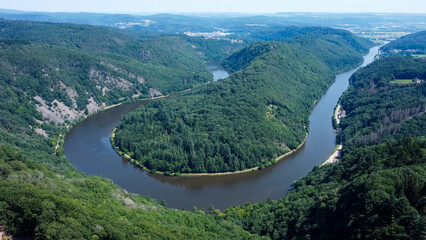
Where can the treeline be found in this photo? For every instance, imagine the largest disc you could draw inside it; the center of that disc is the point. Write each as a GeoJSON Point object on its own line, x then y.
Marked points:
{"type": "Point", "coordinates": [245, 121]}
{"type": "Point", "coordinates": [157, 49]}
{"type": "Point", "coordinates": [305, 38]}
{"type": "Point", "coordinates": [287, 32]}
{"type": "Point", "coordinates": [406, 45]}
{"type": "Point", "coordinates": [377, 190]}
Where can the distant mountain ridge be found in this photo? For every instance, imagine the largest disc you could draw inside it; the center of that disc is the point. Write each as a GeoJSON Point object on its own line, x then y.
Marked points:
{"type": "Point", "coordinates": [241, 25]}
{"type": "Point", "coordinates": [407, 45]}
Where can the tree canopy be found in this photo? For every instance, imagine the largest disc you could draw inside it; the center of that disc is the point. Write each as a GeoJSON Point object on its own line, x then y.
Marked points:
{"type": "Point", "coordinates": [245, 121]}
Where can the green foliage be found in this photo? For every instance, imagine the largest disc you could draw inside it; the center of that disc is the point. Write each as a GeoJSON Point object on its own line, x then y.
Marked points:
{"type": "Point", "coordinates": [41, 195]}
{"type": "Point", "coordinates": [52, 72]}
{"type": "Point", "coordinates": [337, 48]}
{"type": "Point", "coordinates": [213, 50]}
{"type": "Point", "coordinates": [246, 56]}
{"type": "Point", "coordinates": [42, 204]}
{"type": "Point", "coordinates": [79, 64]}
{"type": "Point", "coordinates": [414, 43]}
{"type": "Point", "coordinates": [378, 110]}
{"type": "Point", "coordinates": [292, 32]}
{"type": "Point", "coordinates": [256, 115]}
{"type": "Point", "coordinates": [374, 191]}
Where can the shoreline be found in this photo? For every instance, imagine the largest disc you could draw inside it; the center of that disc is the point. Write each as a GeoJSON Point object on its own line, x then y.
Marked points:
{"type": "Point", "coordinates": [336, 154]}
{"type": "Point", "coordinates": [134, 162]}
{"type": "Point", "coordinates": [334, 157]}
{"type": "Point", "coordinates": [250, 169]}
{"type": "Point", "coordinates": [331, 159]}
{"type": "Point", "coordinates": [67, 128]}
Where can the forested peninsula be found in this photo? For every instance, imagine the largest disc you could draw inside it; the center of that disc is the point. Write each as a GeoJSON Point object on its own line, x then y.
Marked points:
{"type": "Point", "coordinates": [248, 120]}
{"type": "Point", "coordinates": [375, 191]}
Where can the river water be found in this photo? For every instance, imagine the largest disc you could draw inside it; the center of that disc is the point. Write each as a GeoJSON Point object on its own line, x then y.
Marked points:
{"type": "Point", "coordinates": [217, 70]}
{"type": "Point", "coordinates": [88, 148]}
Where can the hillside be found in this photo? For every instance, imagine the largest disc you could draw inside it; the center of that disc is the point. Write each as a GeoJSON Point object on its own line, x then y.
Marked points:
{"type": "Point", "coordinates": [377, 190]}
{"type": "Point", "coordinates": [150, 48]}
{"type": "Point", "coordinates": [386, 100]}
{"type": "Point", "coordinates": [42, 196]}
{"type": "Point", "coordinates": [70, 70]}
{"type": "Point", "coordinates": [242, 122]}
{"type": "Point", "coordinates": [337, 48]}
{"type": "Point", "coordinates": [414, 43]}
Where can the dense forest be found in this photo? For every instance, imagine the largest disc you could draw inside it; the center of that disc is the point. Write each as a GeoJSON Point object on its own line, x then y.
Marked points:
{"type": "Point", "coordinates": [247, 120]}
{"type": "Point", "coordinates": [158, 49]}
{"type": "Point", "coordinates": [107, 78]}
{"type": "Point", "coordinates": [377, 190]}
{"type": "Point", "coordinates": [41, 195]}
{"type": "Point", "coordinates": [407, 45]}
{"type": "Point", "coordinates": [70, 70]}
{"type": "Point", "coordinates": [386, 100]}
{"type": "Point", "coordinates": [374, 192]}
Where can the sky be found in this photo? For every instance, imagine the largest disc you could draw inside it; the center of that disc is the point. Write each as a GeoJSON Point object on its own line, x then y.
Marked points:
{"type": "Point", "coordinates": [235, 6]}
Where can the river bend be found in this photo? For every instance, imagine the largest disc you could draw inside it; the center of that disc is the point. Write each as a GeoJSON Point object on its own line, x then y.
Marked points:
{"type": "Point", "coordinates": [87, 146]}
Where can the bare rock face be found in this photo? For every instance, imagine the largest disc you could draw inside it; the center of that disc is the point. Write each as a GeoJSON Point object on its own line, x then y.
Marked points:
{"type": "Point", "coordinates": [41, 132]}
{"type": "Point", "coordinates": [154, 93]}
{"type": "Point", "coordinates": [101, 77]}
{"type": "Point", "coordinates": [71, 93]}
{"type": "Point", "coordinates": [105, 81]}
{"type": "Point", "coordinates": [58, 112]}
{"type": "Point", "coordinates": [92, 106]}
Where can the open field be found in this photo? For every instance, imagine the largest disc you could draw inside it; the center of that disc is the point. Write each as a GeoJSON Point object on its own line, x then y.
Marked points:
{"type": "Point", "coordinates": [401, 81]}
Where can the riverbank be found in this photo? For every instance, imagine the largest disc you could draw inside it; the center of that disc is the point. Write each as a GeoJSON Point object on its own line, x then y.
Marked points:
{"type": "Point", "coordinates": [136, 163]}
{"type": "Point", "coordinates": [337, 153]}
{"type": "Point", "coordinates": [88, 148]}
{"type": "Point", "coordinates": [334, 157]}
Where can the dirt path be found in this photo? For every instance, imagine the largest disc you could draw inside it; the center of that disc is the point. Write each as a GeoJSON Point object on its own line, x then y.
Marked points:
{"type": "Point", "coordinates": [56, 147]}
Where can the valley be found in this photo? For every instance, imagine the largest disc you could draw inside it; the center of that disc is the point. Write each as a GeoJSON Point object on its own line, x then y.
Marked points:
{"type": "Point", "coordinates": [95, 156]}
{"type": "Point", "coordinates": [65, 86]}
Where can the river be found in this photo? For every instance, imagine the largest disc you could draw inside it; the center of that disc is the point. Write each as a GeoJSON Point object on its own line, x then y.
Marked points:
{"type": "Point", "coordinates": [87, 146]}
{"type": "Point", "coordinates": [217, 70]}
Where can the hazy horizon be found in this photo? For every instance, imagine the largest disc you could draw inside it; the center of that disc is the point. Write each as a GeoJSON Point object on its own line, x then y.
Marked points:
{"type": "Point", "coordinates": [217, 7]}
